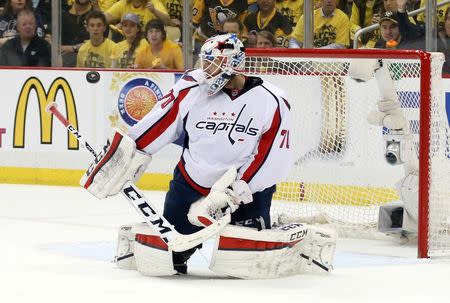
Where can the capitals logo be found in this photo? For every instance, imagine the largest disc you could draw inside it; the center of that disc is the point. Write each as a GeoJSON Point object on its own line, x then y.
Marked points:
{"type": "Point", "coordinates": [137, 98]}
{"type": "Point", "coordinates": [227, 125]}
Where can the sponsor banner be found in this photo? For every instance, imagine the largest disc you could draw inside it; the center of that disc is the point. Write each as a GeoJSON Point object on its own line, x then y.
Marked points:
{"type": "Point", "coordinates": [31, 138]}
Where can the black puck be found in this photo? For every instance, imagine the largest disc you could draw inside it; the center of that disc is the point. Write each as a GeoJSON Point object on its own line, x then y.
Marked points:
{"type": "Point", "coordinates": [92, 77]}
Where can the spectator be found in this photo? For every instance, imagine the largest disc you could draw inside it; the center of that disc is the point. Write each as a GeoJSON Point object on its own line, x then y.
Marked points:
{"type": "Point", "coordinates": [160, 53]}
{"type": "Point", "coordinates": [440, 14]}
{"type": "Point", "coordinates": [293, 9]}
{"type": "Point", "coordinates": [444, 42]}
{"type": "Point", "coordinates": [208, 17]}
{"type": "Point", "coordinates": [233, 26]}
{"type": "Point", "coordinates": [147, 10]}
{"type": "Point", "coordinates": [98, 50]}
{"type": "Point", "coordinates": [26, 49]}
{"type": "Point", "coordinates": [398, 33]}
{"type": "Point", "coordinates": [73, 31]}
{"type": "Point", "coordinates": [265, 39]}
{"type": "Point", "coordinates": [125, 52]}
{"type": "Point", "coordinates": [8, 19]}
{"type": "Point", "coordinates": [369, 39]}
{"type": "Point", "coordinates": [269, 19]}
{"type": "Point", "coordinates": [331, 28]}
{"type": "Point", "coordinates": [390, 32]}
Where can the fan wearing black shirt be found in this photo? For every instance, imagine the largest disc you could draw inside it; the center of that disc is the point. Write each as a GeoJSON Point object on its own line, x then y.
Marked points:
{"type": "Point", "coordinates": [26, 49]}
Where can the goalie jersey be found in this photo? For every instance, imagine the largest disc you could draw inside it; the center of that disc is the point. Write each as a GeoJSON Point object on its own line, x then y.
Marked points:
{"type": "Point", "coordinates": [247, 128]}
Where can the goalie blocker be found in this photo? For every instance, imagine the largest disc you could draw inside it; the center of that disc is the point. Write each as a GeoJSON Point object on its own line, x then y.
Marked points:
{"type": "Point", "coordinates": [240, 252]}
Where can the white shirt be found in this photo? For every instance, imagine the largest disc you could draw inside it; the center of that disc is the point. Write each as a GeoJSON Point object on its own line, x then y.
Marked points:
{"type": "Point", "coordinates": [249, 131]}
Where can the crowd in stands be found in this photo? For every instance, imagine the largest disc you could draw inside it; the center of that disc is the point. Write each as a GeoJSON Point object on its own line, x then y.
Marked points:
{"type": "Point", "coordinates": [146, 34]}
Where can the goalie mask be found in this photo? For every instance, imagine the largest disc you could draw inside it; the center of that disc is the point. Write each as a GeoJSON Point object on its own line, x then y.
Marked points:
{"type": "Point", "coordinates": [221, 57]}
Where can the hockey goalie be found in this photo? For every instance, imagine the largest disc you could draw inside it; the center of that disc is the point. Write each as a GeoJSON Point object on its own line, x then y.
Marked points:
{"type": "Point", "coordinates": [399, 216]}
{"type": "Point", "coordinates": [236, 149]}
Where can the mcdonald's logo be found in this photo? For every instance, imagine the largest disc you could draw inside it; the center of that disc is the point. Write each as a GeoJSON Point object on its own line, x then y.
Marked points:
{"type": "Point", "coordinates": [46, 120]}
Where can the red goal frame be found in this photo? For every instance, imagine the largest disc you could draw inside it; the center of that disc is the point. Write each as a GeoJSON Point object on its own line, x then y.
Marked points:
{"type": "Point", "coordinates": [425, 113]}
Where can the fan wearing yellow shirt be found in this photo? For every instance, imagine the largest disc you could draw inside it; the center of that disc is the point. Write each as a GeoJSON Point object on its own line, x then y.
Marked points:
{"type": "Point", "coordinates": [331, 28]}
{"type": "Point", "coordinates": [160, 53]}
{"type": "Point", "coordinates": [98, 50]}
{"type": "Point", "coordinates": [146, 10]}
{"type": "Point", "coordinates": [125, 51]}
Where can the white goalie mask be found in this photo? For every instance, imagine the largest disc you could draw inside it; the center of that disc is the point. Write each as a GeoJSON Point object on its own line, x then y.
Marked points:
{"type": "Point", "coordinates": [221, 57]}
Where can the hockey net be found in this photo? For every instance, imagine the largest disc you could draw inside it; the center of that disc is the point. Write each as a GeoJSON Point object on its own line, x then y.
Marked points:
{"type": "Point", "coordinates": [341, 176]}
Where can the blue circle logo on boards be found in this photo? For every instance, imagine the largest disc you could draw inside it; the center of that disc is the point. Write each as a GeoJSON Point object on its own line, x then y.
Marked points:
{"type": "Point", "coordinates": [137, 98]}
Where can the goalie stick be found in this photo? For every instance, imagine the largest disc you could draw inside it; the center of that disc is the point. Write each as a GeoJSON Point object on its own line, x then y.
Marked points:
{"type": "Point", "coordinates": [151, 215]}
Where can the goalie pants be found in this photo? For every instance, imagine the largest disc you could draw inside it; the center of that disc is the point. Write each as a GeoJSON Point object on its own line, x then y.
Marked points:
{"type": "Point", "coordinates": [181, 195]}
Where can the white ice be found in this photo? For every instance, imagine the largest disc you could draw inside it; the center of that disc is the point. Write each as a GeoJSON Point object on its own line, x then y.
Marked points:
{"type": "Point", "coordinates": [58, 244]}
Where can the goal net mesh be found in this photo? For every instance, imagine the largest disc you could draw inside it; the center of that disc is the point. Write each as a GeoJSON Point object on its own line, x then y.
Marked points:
{"type": "Point", "coordinates": [340, 174]}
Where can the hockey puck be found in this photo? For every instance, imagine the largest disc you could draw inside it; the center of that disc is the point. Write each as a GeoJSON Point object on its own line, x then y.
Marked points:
{"type": "Point", "coordinates": [92, 77]}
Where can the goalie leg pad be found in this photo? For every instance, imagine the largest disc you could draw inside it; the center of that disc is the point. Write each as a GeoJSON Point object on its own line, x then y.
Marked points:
{"type": "Point", "coordinates": [116, 164]}
{"type": "Point", "coordinates": [362, 69]}
{"type": "Point", "coordinates": [125, 248]}
{"type": "Point", "coordinates": [317, 250]}
{"type": "Point", "coordinates": [292, 249]}
{"type": "Point", "coordinates": [153, 256]}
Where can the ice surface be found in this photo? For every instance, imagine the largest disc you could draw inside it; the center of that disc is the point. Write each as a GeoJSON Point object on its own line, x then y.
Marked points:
{"type": "Point", "coordinates": [58, 244]}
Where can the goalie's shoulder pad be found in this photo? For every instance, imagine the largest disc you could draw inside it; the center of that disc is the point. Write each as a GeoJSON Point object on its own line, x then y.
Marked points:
{"type": "Point", "coordinates": [191, 77]}
{"type": "Point", "coordinates": [280, 93]}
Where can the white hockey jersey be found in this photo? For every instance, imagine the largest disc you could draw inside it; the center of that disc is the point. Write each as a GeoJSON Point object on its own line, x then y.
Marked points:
{"type": "Point", "coordinates": [248, 129]}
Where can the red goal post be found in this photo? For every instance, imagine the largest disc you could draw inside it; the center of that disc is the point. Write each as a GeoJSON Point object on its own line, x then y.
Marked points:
{"type": "Point", "coordinates": [317, 83]}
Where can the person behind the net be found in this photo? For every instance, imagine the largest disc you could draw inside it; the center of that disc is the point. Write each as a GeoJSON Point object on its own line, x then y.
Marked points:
{"type": "Point", "coordinates": [230, 120]}
{"type": "Point", "coordinates": [124, 54]}
{"type": "Point", "coordinates": [397, 32]}
{"type": "Point", "coordinates": [331, 28]}
{"type": "Point", "coordinates": [97, 51]}
{"type": "Point", "coordinates": [160, 52]}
